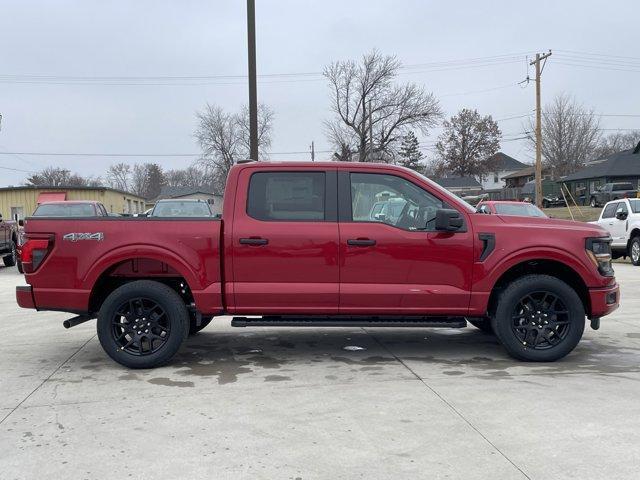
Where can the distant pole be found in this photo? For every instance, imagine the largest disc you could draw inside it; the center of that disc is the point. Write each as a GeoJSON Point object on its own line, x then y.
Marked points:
{"type": "Point", "coordinates": [370, 133]}
{"type": "Point", "coordinates": [313, 152]}
{"type": "Point", "coordinates": [253, 91]}
{"type": "Point", "coordinates": [536, 62]}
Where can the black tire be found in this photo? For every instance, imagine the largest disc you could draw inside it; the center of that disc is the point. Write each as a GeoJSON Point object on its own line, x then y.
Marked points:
{"type": "Point", "coordinates": [11, 259]}
{"type": "Point", "coordinates": [593, 202]}
{"type": "Point", "coordinates": [634, 250]}
{"type": "Point", "coordinates": [193, 328]}
{"type": "Point", "coordinates": [481, 323]}
{"type": "Point", "coordinates": [561, 331]}
{"type": "Point", "coordinates": [121, 312]}
{"type": "Point", "coordinates": [545, 204]}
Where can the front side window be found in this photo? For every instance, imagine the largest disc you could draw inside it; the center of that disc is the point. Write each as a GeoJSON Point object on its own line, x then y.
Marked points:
{"type": "Point", "coordinates": [287, 196]}
{"type": "Point", "coordinates": [610, 210]}
{"type": "Point", "coordinates": [622, 208]}
{"type": "Point", "coordinates": [392, 200]}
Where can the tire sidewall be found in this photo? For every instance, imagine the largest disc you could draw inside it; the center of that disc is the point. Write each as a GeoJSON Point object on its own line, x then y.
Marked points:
{"type": "Point", "coordinates": [171, 303]}
{"type": "Point", "coordinates": [634, 240]}
{"type": "Point", "coordinates": [501, 321]}
{"type": "Point", "coordinates": [11, 259]}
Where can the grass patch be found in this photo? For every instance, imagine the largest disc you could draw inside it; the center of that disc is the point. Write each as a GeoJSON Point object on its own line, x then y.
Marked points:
{"type": "Point", "coordinates": [580, 214]}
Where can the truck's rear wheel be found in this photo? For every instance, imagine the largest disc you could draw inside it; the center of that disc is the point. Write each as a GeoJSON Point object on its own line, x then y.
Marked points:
{"type": "Point", "coordinates": [634, 250]}
{"type": "Point", "coordinates": [593, 202]}
{"type": "Point", "coordinates": [539, 318]}
{"type": "Point", "coordinates": [142, 324]}
{"type": "Point", "coordinates": [11, 259]}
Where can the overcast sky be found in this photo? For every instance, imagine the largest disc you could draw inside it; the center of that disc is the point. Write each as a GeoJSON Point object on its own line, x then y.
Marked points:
{"type": "Point", "coordinates": [88, 39]}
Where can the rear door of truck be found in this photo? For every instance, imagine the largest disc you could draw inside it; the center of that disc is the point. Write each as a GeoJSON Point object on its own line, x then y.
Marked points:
{"type": "Point", "coordinates": [284, 241]}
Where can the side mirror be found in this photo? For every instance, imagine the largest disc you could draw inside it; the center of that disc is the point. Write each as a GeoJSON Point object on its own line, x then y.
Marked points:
{"type": "Point", "coordinates": [448, 220]}
{"type": "Point", "coordinates": [621, 215]}
{"type": "Point", "coordinates": [21, 223]}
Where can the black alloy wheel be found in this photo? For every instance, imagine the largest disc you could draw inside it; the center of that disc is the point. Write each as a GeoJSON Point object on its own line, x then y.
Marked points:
{"type": "Point", "coordinates": [140, 326]}
{"type": "Point", "coordinates": [540, 320]}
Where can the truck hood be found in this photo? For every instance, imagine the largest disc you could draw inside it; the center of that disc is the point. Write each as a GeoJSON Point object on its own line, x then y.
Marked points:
{"type": "Point", "coordinates": [553, 224]}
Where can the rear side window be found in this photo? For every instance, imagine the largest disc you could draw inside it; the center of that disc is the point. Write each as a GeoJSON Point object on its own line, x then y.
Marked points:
{"type": "Point", "coordinates": [622, 186]}
{"type": "Point", "coordinates": [610, 210]}
{"type": "Point", "coordinates": [65, 210]}
{"type": "Point", "coordinates": [635, 206]}
{"type": "Point", "coordinates": [287, 196]}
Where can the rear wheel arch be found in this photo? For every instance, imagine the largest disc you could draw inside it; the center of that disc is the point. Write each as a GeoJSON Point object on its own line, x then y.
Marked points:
{"type": "Point", "coordinates": [109, 280]}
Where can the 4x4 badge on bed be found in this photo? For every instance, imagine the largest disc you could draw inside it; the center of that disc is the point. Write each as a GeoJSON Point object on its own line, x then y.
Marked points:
{"type": "Point", "coordinates": [75, 237]}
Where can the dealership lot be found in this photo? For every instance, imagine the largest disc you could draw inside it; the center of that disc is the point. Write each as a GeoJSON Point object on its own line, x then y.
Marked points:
{"type": "Point", "coordinates": [295, 403]}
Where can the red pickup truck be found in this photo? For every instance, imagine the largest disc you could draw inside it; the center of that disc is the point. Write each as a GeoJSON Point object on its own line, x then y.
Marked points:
{"type": "Point", "coordinates": [300, 244]}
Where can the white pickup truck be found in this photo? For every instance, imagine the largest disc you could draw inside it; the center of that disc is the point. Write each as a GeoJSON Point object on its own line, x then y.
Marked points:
{"type": "Point", "coordinates": [621, 218]}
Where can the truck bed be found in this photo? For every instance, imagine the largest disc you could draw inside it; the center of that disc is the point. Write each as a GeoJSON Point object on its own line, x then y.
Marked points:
{"type": "Point", "coordinates": [85, 253]}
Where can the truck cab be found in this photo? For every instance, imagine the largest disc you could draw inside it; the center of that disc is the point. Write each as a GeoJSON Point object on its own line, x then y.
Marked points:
{"type": "Point", "coordinates": [621, 218]}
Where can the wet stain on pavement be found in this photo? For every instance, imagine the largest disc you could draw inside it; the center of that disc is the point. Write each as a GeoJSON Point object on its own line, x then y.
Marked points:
{"type": "Point", "coordinates": [167, 382]}
{"type": "Point", "coordinates": [276, 378]}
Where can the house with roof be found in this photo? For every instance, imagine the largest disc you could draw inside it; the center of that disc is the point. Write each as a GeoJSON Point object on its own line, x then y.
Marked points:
{"type": "Point", "coordinates": [622, 166]}
{"type": "Point", "coordinates": [503, 165]}
{"type": "Point", "coordinates": [198, 193]}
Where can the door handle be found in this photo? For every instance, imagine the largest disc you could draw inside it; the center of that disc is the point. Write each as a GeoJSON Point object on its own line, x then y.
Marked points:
{"type": "Point", "coordinates": [361, 242]}
{"type": "Point", "coordinates": [253, 241]}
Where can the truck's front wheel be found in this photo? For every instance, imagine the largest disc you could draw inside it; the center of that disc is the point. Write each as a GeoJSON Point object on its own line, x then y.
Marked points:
{"type": "Point", "coordinates": [539, 318]}
{"type": "Point", "coordinates": [634, 250]}
{"type": "Point", "coordinates": [142, 324]}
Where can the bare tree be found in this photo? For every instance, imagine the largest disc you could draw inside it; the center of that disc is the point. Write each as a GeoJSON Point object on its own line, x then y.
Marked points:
{"type": "Point", "coordinates": [616, 142]}
{"type": "Point", "coordinates": [467, 144]}
{"type": "Point", "coordinates": [119, 176]}
{"type": "Point", "coordinates": [365, 94]}
{"type": "Point", "coordinates": [60, 177]}
{"type": "Point", "coordinates": [192, 176]}
{"type": "Point", "coordinates": [570, 135]}
{"type": "Point", "coordinates": [147, 180]}
{"type": "Point", "coordinates": [224, 139]}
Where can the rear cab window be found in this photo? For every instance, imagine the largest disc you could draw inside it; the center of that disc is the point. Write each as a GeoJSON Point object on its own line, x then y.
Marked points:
{"type": "Point", "coordinates": [65, 210]}
{"type": "Point", "coordinates": [287, 196]}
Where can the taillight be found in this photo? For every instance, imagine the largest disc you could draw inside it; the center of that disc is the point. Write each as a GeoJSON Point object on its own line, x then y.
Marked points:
{"type": "Point", "coordinates": [599, 251]}
{"type": "Point", "coordinates": [33, 252]}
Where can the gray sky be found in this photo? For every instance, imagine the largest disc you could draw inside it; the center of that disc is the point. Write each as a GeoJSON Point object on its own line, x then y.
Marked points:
{"type": "Point", "coordinates": [89, 38]}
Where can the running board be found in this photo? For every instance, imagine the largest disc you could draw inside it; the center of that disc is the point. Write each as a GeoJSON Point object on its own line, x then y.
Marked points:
{"type": "Point", "coordinates": [310, 321]}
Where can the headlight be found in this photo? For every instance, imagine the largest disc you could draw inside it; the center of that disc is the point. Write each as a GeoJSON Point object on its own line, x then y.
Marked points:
{"type": "Point", "coordinates": [599, 251]}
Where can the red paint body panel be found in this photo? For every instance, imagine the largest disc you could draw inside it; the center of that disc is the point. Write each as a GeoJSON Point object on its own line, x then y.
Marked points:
{"type": "Point", "coordinates": [307, 267]}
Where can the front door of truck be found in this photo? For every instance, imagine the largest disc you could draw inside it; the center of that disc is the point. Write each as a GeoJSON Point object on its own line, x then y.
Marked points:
{"type": "Point", "coordinates": [396, 263]}
{"type": "Point", "coordinates": [285, 242]}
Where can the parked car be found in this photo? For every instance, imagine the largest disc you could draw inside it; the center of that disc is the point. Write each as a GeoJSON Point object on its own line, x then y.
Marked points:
{"type": "Point", "coordinates": [8, 242]}
{"type": "Point", "coordinates": [71, 208]}
{"type": "Point", "coordinates": [612, 191]}
{"type": "Point", "coordinates": [548, 201]}
{"type": "Point", "coordinates": [181, 208]}
{"type": "Point", "coordinates": [621, 218]}
{"type": "Point", "coordinates": [504, 207]}
{"type": "Point", "coordinates": [296, 247]}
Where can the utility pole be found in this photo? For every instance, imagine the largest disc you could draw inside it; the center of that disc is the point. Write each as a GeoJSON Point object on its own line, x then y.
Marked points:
{"type": "Point", "coordinates": [313, 152]}
{"type": "Point", "coordinates": [536, 62]}
{"type": "Point", "coordinates": [253, 91]}
{"type": "Point", "coordinates": [370, 133]}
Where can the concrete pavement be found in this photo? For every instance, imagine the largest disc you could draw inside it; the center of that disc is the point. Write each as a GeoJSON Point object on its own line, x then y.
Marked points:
{"type": "Point", "coordinates": [293, 403]}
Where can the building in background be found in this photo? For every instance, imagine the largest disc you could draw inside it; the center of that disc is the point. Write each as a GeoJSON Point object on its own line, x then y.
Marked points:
{"type": "Point", "coordinates": [504, 166]}
{"type": "Point", "coordinates": [20, 202]}
{"type": "Point", "coordinates": [460, 185]}
{"type": "Point", "coordinates": [199, 193]}
{"type": "Point", "coordinates": [622, 166]}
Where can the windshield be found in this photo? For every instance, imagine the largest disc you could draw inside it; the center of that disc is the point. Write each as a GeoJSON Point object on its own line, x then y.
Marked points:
{"type": "Point", "coordinates": [181, 208]}
{"type": "Point", "coordinates": [522, 209]}
{"type": "Point", "coordinates": [65, 210]}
